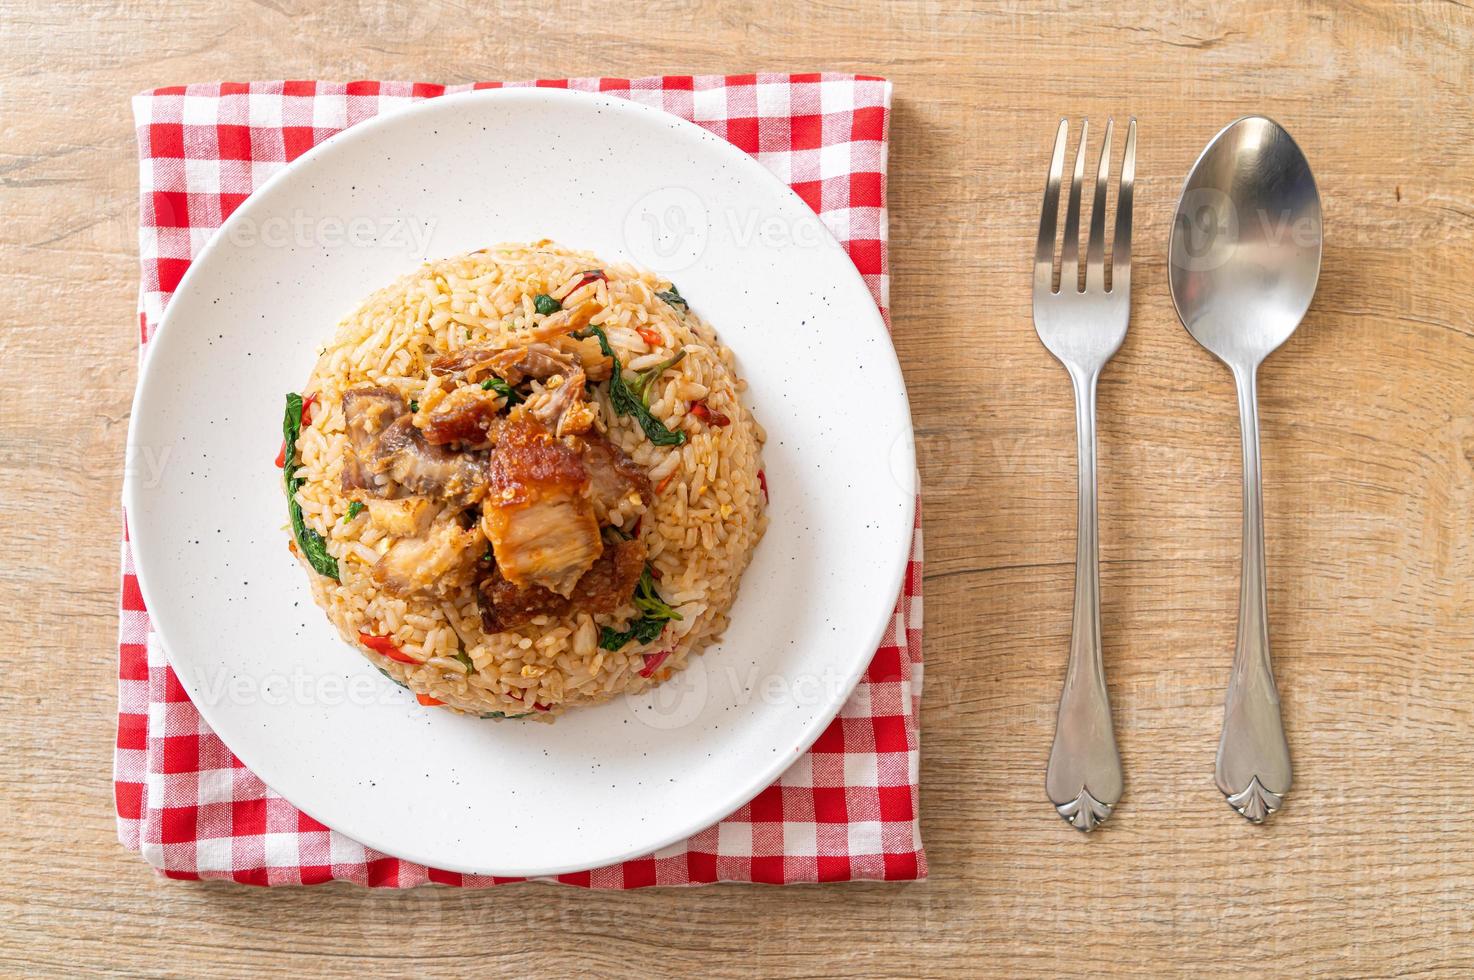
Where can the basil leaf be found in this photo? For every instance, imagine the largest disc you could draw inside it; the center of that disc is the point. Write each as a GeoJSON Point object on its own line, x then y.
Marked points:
{"type": "Point", "coordinates": [648, 601]}
{"type": "Point", "coordinates": [355, 508]}
{"type": "Point", "coordinates": [673, 297]}
{"type": "Point", "coordinates": [649, 626]}
{"type": "Point", "coordinates": [545, 304]}
{"type": "Point", "coordinates": [645, 379]}
{"type": "Point", "coordinates": [644, 630]}
{"type": "Point", "coordinates": [392, 678]}
{"type": "Point", "coordinates": [312, 545]}
{"type": "Point", "coordinates": [627, 402]}
{"type": "Point", "coordinates": [500, 386]}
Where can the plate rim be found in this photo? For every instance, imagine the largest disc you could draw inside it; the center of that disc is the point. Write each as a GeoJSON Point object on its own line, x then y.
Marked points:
{"type": "Point", "coordinates": [906, 473]}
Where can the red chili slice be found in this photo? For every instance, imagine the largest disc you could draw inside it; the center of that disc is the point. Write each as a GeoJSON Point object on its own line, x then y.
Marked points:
{"type": "Point", "coordinates": [652, 662]}
{"type": "Point", "coordinates": [762, 481]}
{"type": "Point", "coordinates": [384, 646]}
{"type": "Point", "coordinates": [707, 415]}
{"type": "Point", "coordinates": [649, 336]}
{"type": "Point", "coordinates": [427, 700]}
{"type": "Point", "coordinates": [590, 275]}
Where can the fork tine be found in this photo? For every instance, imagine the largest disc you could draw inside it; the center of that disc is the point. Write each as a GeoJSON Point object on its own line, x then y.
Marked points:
{"type": "Point", "coordinates": [1069, 256]}
{"type": "Point", "coordinates": [1049, 213]}
{"type": "Point", "coordinates": [1121, 247]}
{"type": "Point", "coordinates": [1095, 253]}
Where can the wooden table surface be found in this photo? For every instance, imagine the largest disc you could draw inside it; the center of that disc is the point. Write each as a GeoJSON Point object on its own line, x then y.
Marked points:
{"type": "Point", "coordinates": [1368, 436]}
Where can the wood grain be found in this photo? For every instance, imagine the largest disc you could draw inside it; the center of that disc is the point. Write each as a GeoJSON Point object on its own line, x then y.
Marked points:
{"type": "Point", "coordinates": [1368, 429]}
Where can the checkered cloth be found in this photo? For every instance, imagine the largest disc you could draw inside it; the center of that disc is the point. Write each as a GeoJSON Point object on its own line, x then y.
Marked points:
{"type": "Point", "coordinates": [846, 810]}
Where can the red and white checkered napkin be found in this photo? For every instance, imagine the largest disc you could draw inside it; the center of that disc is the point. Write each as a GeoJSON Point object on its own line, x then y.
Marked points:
{"type": "Point", "coordinates": [846, 810]}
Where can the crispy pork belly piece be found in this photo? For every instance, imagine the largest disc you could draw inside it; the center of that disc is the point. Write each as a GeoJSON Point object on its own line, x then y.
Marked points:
{"type": "Point", "coordinates": [467, 415]}
{"type": "Point", "coordinates": [541, 352]}
{"type": "Point", "coordinates": [469, 364]}
{"type": "Point", "coordinates": [606, 586]}
{"type": "Point", "coordinates": [402, 453]}
{"type": "Point", "coordinates": [438, 561]}
{"type": "Point", "coordinates": [610, 582]}
{"type": "Point", "coordinates": [513, 363]}
{"type": "Point", "coordinates": [405, 518]}
{"type": "Point", "coordinates": [517, 364]}
{"type": "Point", "coordinates": [615, 480]}
{"type": "Point", "coordinates": [537, 513]}
{"type": "Point", "coordinates": [384, 443]}
{"type": "Point", "coordinates": [562, 406]}
{"type": "Point", "coordinates": [367, 412]}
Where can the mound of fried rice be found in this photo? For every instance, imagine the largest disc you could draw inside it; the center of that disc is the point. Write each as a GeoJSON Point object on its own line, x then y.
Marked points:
{"type": "Point", "coordinates": [700, 532]}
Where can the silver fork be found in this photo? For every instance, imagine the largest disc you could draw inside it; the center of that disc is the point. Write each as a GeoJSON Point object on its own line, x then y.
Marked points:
{"type": "Point", "coordinates": [1084, 329]}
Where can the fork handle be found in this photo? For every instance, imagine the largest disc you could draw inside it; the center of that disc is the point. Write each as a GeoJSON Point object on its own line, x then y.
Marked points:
{"type": "Point", "coordinates": [1084, 778]}
{"type": "Point", "coordinates": [1253, 769]}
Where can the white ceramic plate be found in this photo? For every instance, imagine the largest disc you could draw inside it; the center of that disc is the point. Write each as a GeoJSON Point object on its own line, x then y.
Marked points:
{"type": "Point", "coordinates": [206, 508]}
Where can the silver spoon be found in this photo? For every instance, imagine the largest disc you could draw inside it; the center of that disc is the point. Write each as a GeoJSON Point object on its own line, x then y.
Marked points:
{"type": "Point", "coordinates": [1243, 262]}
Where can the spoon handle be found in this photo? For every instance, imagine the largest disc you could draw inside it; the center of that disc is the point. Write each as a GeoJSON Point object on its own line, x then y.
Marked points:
{"type": "Point", "coordinates": [1084, 777]}
{"type": "Point", "coordinates": [1253, 768]}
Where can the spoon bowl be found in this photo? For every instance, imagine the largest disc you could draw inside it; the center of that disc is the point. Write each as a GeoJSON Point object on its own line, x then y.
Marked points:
{"type": "Point", "coordinates": [1245, 246]}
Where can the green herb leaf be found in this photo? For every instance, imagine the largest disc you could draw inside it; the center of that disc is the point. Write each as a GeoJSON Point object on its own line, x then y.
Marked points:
{"type": "Point", "coordinates": [627, 402]}
{"type": "Point", "coordinates": [414, 406]}
{"type": "Point", "coordinates": [502, 714]}
{"type": "Point", "coordinates": [641, 385]}
{"type": "Point", "coordinates": [642, 630]}
{"type": "Point", "coordinates": [674, 298]}
{"type": "Point", "coordinates": [392, 678]}
{"type": "Point", "coordinates": [311, 544]}
{"type": "Point", "coordinates": [648, 601]}
{"type": "Point", "coordinates": [545, 304]}
{"type": "Point", "coordinates": [355, 508]}
{"type": "Point", "coordinates": [649, 626]}
{"type": "Point", "coordinates": [465, 658]}
{"type": "Point", "coordinates": [512, 395]}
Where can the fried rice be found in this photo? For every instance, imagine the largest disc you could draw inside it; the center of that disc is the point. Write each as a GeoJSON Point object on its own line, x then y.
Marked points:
{"type": "Point", "coordinates": [699, 532]}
